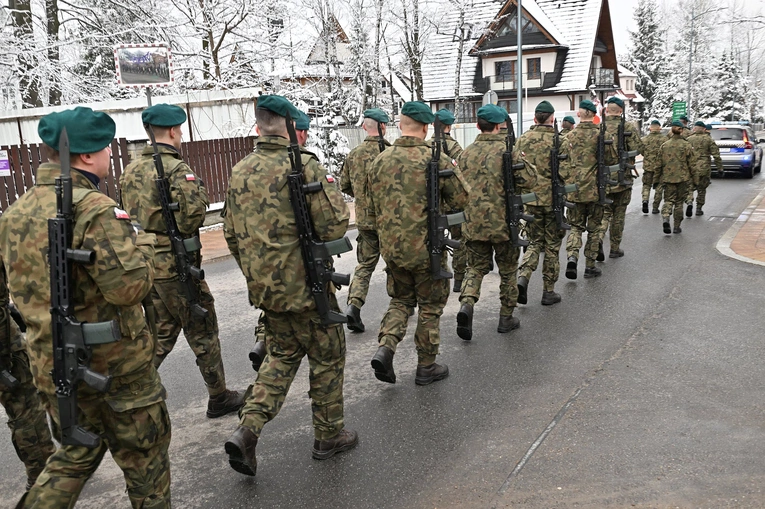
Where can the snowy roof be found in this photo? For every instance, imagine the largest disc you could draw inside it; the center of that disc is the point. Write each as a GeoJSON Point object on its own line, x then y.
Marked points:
{"type": "Point", "coordinates": [623, 71]}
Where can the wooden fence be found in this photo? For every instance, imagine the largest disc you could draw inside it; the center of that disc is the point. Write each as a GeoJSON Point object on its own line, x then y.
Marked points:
{"type": "Point", "coordinates": [212, 160]}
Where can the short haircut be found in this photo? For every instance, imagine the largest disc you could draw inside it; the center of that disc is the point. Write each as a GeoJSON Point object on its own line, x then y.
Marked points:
{"type": "Point", "coordinates": [540, 117]}
{"type": "Point", "coordinates": [613, 108]}
{"type": "Point", "coordinates": [585, 114]}
{"type": "Point", "coordinates": [485, 126]}
{"type": "Point", "coordinates": [50, 153]}
{"type": "Point", "coordinates": [410, 123]}
{"type": "Point", "coordinates": [270, 123]}
{"type": "Point", "coordinates": [677, 130]}
{"type": "Point", "coordinates": [158, 131]}
{"type": "Point", "coordinates": [370, 124]}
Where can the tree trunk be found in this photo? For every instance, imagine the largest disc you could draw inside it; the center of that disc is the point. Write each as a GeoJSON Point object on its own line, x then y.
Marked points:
{"type": "Point", "coordinates": [22, 23]}
{"type": "Point", "coordinates": [51, 14]}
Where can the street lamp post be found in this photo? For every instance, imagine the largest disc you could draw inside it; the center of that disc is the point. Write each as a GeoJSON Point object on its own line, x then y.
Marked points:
{"type": "Point", "coordinates": [519, 84]}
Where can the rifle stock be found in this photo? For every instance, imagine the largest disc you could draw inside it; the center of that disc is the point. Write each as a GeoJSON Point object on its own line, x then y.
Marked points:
{"type": "Point", "coordinates": [559, 189]}
{"type": "Point", "coordinates": [513, 201]}
{"type": "Point", "coordinates": [625, 167]}
{"type": "Point", "coordinates": [605, 172]}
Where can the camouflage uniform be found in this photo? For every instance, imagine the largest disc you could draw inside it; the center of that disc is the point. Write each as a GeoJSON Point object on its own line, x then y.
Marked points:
{"type": "Point", "coordinates": [397, 184]}
{"type": "Point", "coordinates": [260, 229]}
{"type": "Point", "coordinates": [677, 169]}
{"type": "Point", "coordinates": [587, 214]}
{"type": "Point", "coordinates": [26, 416]}
{"type": "Point", "coordinates": [564, 131]}
{"type": "Point", "coordinates": [140, 198]}
{"type": "Point", "coordinates": [131, 417]}
{"type": "Point", "coordinates": [616, 213]}
{"type": "Point", "coordinates": [353, 181]}
{"type": "Point", "coordinates": [652, 143]}
{"type": "Point", "coordinates": [704, 148]}
{"type": "Point", "coordinates": [533, 148]}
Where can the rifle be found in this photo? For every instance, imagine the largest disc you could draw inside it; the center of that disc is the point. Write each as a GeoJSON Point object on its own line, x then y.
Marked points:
{"type": "Point", "coordinates": [624, 155]}
{"type": "Point", "coordinates": [559, 189]}
{"type": "Point", "coordinates": [514, 202]}
{"type": "Point", "coordinates": [317, 255]}
{"type": "Point", "coordinates": [438, 223]}
{"type": "Point", "coordinates": [71, 339]}
{"type": "Point", "coordinates": [182, 248]}
{"type": "Point", "coordinates": [381, 138]}
{"type": "Point", "coordinates": [604, 171]}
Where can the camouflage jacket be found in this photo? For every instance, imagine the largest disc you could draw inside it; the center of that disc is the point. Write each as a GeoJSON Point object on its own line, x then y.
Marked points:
{"type": "Point", "coordinates": [677, 161]}
{"type": "Point", "coordinates": [449, 146]}
{"type": "Point", "coordinates": [109, 289]}
{"type": "Point", "coordinates": [260, 227]}
{"type": "Point", "coordinates": [652, 143]}
{"type": "Point", "coordinates": [397, 184]}
{"type": "Point", "coordinates": [140, 198]}
{"type": "Point", "coordinates": [633, 142]}
{"type": "Point", "coordinates": [564, 131]}
{"type": "Point", "coordinates": [353, 179]}
{"type": "Point", "coordinates": [705, 148]}
{"type": "Point", "coordinates": [534, 148]}
{"type": "Point", "coordinates": [481, 167]}
{"type": "Point", "coordinates": [582, 162]}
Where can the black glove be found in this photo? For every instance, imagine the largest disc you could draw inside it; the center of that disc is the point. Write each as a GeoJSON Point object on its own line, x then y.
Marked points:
{"type": "Point", "coordinates": [655, 185]}
{"type": "Point", "coordinates": [17, 317]}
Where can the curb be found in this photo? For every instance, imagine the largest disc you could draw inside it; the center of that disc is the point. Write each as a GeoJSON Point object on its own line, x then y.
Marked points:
{"type": "Point", "coordinates": [723, 245]}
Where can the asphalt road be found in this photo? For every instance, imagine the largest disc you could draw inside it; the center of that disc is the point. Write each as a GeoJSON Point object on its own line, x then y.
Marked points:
{"type": "Point", "coordinates": [641, 389]}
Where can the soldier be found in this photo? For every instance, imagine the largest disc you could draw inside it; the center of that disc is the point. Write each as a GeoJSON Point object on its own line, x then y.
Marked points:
{"type": "Point", "coordinates": [131, 416]}
{"type": "Point", "coordinates": [686, 130]}
{"type": "Point", "coordinates": [567, 125]}
{"type": "Point", "coordinates": [533, 148]}
{"type": "Point", "coordinates": [587, 214]}
{"type": "Point", "coordinates": [677, 169]}
{"type": "Point", "coordinates": [302, 125]}
{"type": "Point", "coordinates": [140, 197]}
{"type": "Point", "coordinates": [616, 213]}
{"type": "Point", "coordinates": [487, 235]}
{"type": "Point", "coordinates": [652, 142]}
{"type": "Point", "coordinates": [704, 148]}
{"type": "Point", "coordinates": [353, 182]}
{"type": "Point", "coordinates": [260, 229]}
{"type": "Point", "coordinates": [26, 415]}
{"type": "Point", "coordinates": [397, 184]}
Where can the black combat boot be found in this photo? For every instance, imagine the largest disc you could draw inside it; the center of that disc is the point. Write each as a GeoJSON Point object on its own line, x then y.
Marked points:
{"type": "Point", "coordinates": [677, 229]}
{"type": "Point", "coordinates": [353, 314]}
{"type": "Point", "coordinates": [457, 285]}
{"type": "Point", "coordinates": [343, 441]}
{"type": "Point", "coordinates": [428, 374]}
{"type": "Point", "coordinates": [689, 210]}
{"type": "Point", "coordinates": [523, 286]}
{"type": "Point", "coordinates": [699, 212]}
{"type": "Point", "coordinates": [616, 253]}
{"type": "Point", "coordinates": [571, 267]}
{"type": "Point", "coordinates": [507, 323]}
{"type": "Point", "coordinates": [655, 210]}
{"type": "Point", "coordinates": [257, 354]}
{"type": "Point", "coordinates": [382, 363]}
{"type": "Point", "coordinates": [224, 404]}
{"type": "Point", "coordinates": [645, 206]}
{"type": "Point", "coordinates": [241, 451]}
{"type": "Point", "coordinates": [465, 321]}
{"type": "Point", "coordinates": [550, 298]}
{"type": "Point", "coordinates": [601, 255]}
{"type": "Point", "coordinates": [667, 228]}
{"type": "Point", "coordinates": [590, 272]}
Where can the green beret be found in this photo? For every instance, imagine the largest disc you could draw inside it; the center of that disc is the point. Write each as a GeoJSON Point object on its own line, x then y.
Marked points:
{"type": "Point", "coordinates": [683, 117]}
{"type": "Point", "coordinates": [302, 122]}
{"type": "Point", "coordinates": [569, 119]}
{"type": "Point", "coordinates": [655, 122]}
{"type": "Point", "coordinates": [588, 105]}
{"type": "Point", "coordinates": [615, 100]}
{"type": "Point", "coordinates": [88, 131]}
{"type": "Point", "coordinates": [492, 114]}
{"type": "Point", "coordinates": [418, 111]}
{"type": "Point", "coordinates": [708, 127]}
{"type": "Point", "coordinates": [445, 116]}
{"type": "Point", "coordinates": [545, 107]}
{"type": "Point", "coordinates": [278, 104]}
{"type": "Point", "coordinates": [677, 123]}
{"type": "Point", "coordinates": [164, 115]}
{"type": "Point", "coordinates": [377, 114]}
{"type": "Point", "coordinates": [699, 123]}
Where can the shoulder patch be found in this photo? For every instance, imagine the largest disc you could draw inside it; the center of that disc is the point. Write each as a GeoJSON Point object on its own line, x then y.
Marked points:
{"type": "Point", "coordinates": [454, 162]}
{"type": "Point", "coordinates": [121, 214]}
{"type": "Point", "coordinates": [330, 179]}
{"type": "Point", "coordinates": [190, 177]}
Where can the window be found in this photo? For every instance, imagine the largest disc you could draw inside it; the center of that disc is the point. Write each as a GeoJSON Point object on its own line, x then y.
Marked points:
{"type": "Point", "coordinates": [534, 68]}
{"type": "Point", "coordinates": [511, 106]}
{"type": "Point", "coordinates": [510, 24]}
{"type": "Point", "coordinates": [505, 70]}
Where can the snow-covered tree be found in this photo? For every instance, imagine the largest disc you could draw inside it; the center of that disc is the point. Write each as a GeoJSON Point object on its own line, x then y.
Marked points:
{"type": "Point", "coordinates": [647, 58]}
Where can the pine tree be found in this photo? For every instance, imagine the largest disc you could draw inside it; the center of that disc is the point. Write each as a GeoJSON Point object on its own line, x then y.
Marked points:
{"type": "Point", "coordinates": [647, 58]}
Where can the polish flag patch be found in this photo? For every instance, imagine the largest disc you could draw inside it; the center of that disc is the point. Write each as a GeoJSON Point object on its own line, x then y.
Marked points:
{"type": "Point", "coordinates": [330, 179]}
{"type": "Point", "coordinates": [454, 162]}
{"type": "Point", "coordinates": [121, 214]}
{"type": "Point", "coordinates": [190, 177]}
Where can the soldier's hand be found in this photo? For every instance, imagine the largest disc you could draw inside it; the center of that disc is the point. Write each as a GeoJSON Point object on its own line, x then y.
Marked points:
{"type": "Point", "coordinates": [655, 185]}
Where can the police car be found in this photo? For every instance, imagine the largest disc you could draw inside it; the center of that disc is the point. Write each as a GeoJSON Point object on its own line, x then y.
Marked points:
{"type": "Point", "coordinates": [739, 149]}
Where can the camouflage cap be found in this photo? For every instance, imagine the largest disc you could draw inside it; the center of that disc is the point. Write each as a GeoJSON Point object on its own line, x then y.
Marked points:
{"type": "Point", "coordinates": [164, 115]}
{"type": "Point", "coordinates": [445, 116]}
{"type": "Point", "coordinates": [615, 100]}
{"type": "Point", "coordinates": [302, 122]}
{"type": "Point", "coordinates": [655, 122]}
{"type": "Point", "coordinates": [684, 117]}
{"type": "Point", "coordinates": [677, 123]}
{"type": "Point", "coordinates": [278, 104]}
{"type": "Point", "coordinates": [493, 114]}
{"type": "Point", "coordinates": [418, 111]}
{"type": "Point", "coordinates": [545, 107]}
{"type": "Point", "coordinates": [588, 105]}
{"type": "Point", "coordinates": [88, 131]}
{"type": "Point", "coordinates": [569, 119]}
{"type": "Point", "coordinates": [699, 123]}
{"type": "Point", "coordinates": [377, 114]}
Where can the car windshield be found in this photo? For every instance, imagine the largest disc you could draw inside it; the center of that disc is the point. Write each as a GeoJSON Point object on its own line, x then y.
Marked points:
{"type": "Point", "coordinates": [724, 133]}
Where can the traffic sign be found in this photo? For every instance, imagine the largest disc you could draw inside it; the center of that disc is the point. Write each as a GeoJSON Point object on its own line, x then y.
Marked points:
{"type": "Point", "coordinates": [679, 108]}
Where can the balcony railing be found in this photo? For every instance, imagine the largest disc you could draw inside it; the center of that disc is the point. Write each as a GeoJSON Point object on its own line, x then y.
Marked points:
{"type": "Point", "coordinates": [603, 79]}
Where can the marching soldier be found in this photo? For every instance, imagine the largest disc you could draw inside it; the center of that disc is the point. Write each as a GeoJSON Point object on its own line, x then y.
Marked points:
{"type": "Point", "coordinates": [353, 182]}
{"type": "Point", "coordinates": [704, 148]}
{"type": "Point", "coordinates": [262, 236]}
{"type": "Point", "coordinates": [141, 199]}
{"type": "Point", "coordinates": [130, 417]}
{"type": "Point", "coordinates": [677, 169]}
{"type": "Point", "coordinates": [652, 142]}
{"type": "Point", "coordinates": [567, 125]}
{"type": "Point", "coordinates": [397, 184]}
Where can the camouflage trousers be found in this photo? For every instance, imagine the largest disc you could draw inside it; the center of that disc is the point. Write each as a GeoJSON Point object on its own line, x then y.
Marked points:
{"type": "Point", "coordinates": [460, 255]}
{"type": "Point", "coordinates": [367, 254]}
{"type": "Point", "coordinates": [647, 185]}
{"type": "Point", "coordinates": [586, 217]}
{"type": "Point", "coordinates": [544, 236]}
{"type": "Point", "coordinates": [408, 289]}
{"type": "Point", "coordinates": [174, 314]}
{"type": "Point", "coordinates": [27, 419]}
{"type": "Point", "coordinates": [479, 264]}
{"type": "Point", "coordinates": [138, 440]}
{"type": "Point", "coordinates": [289, 338]}
{"type": "Point", "coordinates": [701, 191]}
{"type": "Point", "coordinates": [615, 215]}
{"type": "Point", "coordinates": [674, 196]}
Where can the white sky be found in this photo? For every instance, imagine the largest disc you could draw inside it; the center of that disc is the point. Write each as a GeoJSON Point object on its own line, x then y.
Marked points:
{"type": "Point", "coordinates": [622, 21]}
